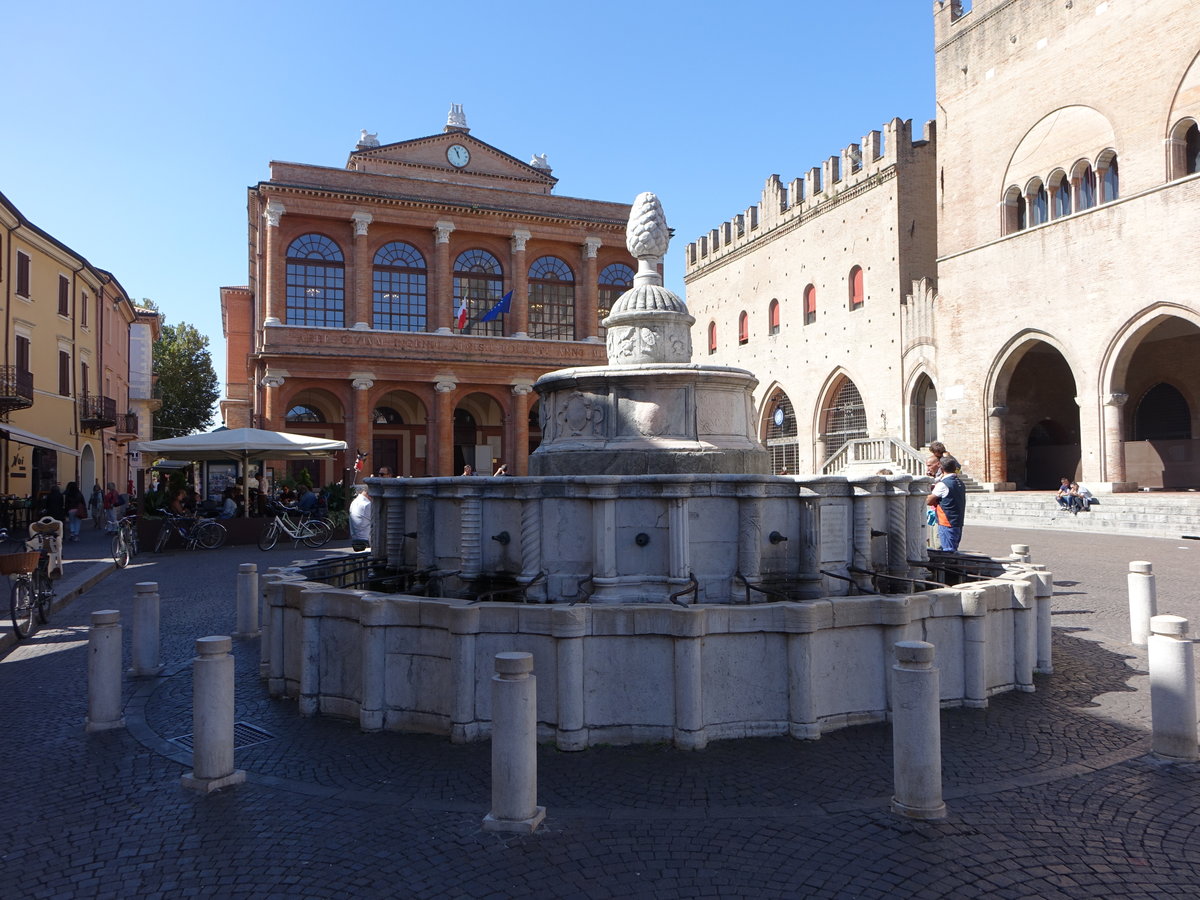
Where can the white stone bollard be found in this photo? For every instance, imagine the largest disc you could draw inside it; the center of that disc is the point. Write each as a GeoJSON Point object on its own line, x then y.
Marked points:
{"type": "Point", "coordinates": [247, 601]}
{"type": "Point", "coordinates": [104, 672]}
{"type": "Point", "coordinates": [916, 733]}
{"type": "Point", "coordinates": [1044, 597]}
{"type": "Point", "coordinates": [1143, 602]}
{"type": "Point", "coordinates": [212, 717]}
{"type": "Point", "coordinates": [1172, 688]}
{"type": "Point", "coordinates": [145, 639]}
{"type": "Point", "coordinates": [1020, 553]}
{"type": "Point", "coordinates": [514, 746]}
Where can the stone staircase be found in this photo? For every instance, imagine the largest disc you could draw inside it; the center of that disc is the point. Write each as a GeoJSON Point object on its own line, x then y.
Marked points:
{"type": "Point", "coordinates": [1145, 514]}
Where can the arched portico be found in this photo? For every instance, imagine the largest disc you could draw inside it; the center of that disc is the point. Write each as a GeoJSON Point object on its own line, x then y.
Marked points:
{"type": "Point", "coordinates": [478, 433]}
{"type": "Point", "coordinates": [780, 431]}
{"type": "Point", "coordinates": [1151, 401]}
{"type": "Point", "coordinates": [841, 416]}
{"type": "Point", "coordinates": [922, 411]}
{"type": "Point", "coordinates": [1033, 420]}
{"type": "Point", "coordinates": [399, 434]}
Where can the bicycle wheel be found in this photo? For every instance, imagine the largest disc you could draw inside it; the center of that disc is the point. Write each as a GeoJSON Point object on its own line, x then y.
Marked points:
{"type": "Point", "coordinates": [21, 605]}
{"type": "Point", "coordinates": [120, 549]}
{"type": "Point", "coordinates": [164, 535]}
{"type": "Point", "coordinates": [209, 535]}
{"type": "Point", "coordinates": [43, 592]}
{"type": "Point", "coordinates": [270, 535]}
{"type": "Point", "coordinates": [316, 532]}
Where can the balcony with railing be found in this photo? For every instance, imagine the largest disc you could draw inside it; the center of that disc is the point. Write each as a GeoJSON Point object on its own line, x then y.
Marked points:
{"type": "Point", "coordinates": [127, 427]}
{"type": "Point", "coordinates": [16, 390]}
{"type": "Point", "coordinates": [96, 412]}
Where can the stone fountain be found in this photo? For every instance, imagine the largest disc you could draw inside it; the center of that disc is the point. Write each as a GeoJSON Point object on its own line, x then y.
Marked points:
{"type": "Point", "coordinates": [666, 585]}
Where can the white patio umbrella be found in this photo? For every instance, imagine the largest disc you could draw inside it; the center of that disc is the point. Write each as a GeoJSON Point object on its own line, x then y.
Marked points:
{"type": "Point", "coordinates": [242, 444]}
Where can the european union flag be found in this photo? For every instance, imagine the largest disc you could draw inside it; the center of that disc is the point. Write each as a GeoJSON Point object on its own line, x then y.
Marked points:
{"type": "Point", "coordinates": [499, 309]}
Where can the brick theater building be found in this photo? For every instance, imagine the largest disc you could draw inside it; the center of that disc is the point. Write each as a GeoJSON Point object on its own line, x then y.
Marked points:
{"type": "Point", "coordinates": [363, 319]}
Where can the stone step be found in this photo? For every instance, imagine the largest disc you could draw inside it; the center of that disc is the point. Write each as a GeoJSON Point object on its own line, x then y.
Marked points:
{"type": "Point", "coordinates": [1148, 514]}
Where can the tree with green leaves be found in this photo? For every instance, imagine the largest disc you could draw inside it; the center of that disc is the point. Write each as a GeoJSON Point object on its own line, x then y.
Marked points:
{"type": "Point", "coordinates": [187, 381]}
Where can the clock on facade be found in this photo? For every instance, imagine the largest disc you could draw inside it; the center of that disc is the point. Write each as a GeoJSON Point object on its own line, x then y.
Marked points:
{"type": "Point", "coordinates": [458, 155]}
{"type": "Point", "coordinates": [779, 417]}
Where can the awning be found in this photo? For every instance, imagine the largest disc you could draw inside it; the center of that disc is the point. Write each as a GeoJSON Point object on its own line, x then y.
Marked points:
{"type": "Point", "coordinates": [21, 436]}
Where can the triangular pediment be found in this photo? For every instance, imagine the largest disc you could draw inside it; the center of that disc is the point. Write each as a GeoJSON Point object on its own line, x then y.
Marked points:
{"type": "Point", "coordinates": [451, 156]}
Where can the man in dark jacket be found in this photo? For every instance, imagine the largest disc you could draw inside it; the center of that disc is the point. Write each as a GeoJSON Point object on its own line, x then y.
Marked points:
{"type": "Point", "coordinates": [949, 500]}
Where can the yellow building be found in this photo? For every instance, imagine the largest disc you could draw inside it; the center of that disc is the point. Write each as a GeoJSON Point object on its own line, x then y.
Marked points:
{"type": "Point", "coordinates": [64, 381]}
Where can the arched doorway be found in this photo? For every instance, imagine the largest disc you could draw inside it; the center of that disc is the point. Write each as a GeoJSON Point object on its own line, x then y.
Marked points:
{"type": "Point", "coordinates": [923, 412]}
{"type": "Point", "coordinates": [315, 413]}
{"type": "Point", "coordinates": [399, 435]}
{"type": "Point", "coordinates": [87, 470]}
{"type": "Point", "coordinates": [478, 434]}
{"type": "Point", "coordinates": [1041, 434]}
{"type": "Point", "coordinates": [780, 433]}
{"type": "Point", "coordinates": [1158, 374]}
{"type": "Point", "coordinates": [844, 418]}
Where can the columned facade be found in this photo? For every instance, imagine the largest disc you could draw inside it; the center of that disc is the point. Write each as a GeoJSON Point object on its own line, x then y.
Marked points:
{"type": "Point", "coordinates": [350, 319]}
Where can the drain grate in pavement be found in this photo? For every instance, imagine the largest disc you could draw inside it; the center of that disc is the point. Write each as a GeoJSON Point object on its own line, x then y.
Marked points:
{"type": "Point", "coordinates": [244, 735]}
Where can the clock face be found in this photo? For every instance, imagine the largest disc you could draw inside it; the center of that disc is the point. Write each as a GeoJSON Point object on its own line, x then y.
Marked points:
{"type": "Point", "coordinates": [778, 416]}
{"type": "Point", "coordinates": [458, 155]}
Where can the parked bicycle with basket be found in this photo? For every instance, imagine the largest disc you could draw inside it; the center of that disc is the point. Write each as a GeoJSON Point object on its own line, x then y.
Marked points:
{"type": "Point", "coordinates": [301, 529]}
{"type": "Point", "coordinates": [33, 571]}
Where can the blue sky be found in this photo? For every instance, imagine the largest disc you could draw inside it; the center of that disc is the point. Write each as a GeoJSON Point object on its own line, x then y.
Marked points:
{"type": "Point", "coordinates": [131, 130]}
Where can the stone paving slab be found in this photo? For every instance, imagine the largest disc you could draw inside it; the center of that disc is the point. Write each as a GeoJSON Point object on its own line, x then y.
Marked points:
{"type": "Point", "coordinates": [1051, 794]}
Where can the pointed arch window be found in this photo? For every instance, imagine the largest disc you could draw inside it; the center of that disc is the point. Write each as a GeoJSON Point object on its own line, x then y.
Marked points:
{"type": "Point", "coordinates": [316, 282]}
{"type": "Point", "coordinates": [712, 337]}
{"type": "Point", "coordinates": [479, 284]}
{"type": "Point", "coordinates": [845, 419]}
{"type": "Point", "coordinates": [1061, 190]}
{"type": "Point", "coordinates": [551, 300]}
{"type": "Point", "coordinates": [856, 287]}
{"type": "Point", "coordinates": [773, 317]}
{"type": "Point", "coordinates": [1039, 204]}
{"type": "Point", "coordinates": [1085, 187]}
{"type": "Point", "coordinates": [615, 279]}
{"type": "Point", "coordinates": [743, 328]}
{"type": "Point", "coordinates": [810, 305]}
{"type": "Point", "coordinates": [1111, 183]}
{"type": "Point", "coordinates": [400, 285]}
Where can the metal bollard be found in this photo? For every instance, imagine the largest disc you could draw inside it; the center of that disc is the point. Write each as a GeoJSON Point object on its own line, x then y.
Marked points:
{"type": "Point", "coordinates": [1172, 688]}
{"type": "Point", "coordinates": [104, 672]}
{"type": "Point", "coordinates": [916, 733]}
{"type": "Point", "coordinates": [247, 601]}
{"type": "Point", "coordinates": [514, 746]}
{"type": "Point", "coordinates": [1143, 601]}
{"type": "Point", "coordinates": [212, 717]}
{"type": "Point", "coordinates": [145, 639]}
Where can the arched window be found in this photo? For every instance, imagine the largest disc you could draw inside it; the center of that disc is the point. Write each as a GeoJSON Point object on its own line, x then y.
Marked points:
{"type": "Point", "coordinates": [1014, 210]}
{"type": "Point", "coordinates": [856, 287]}
{"type": "Point", "coordinates": [712, 337]}
{"type": "Point", "coordinates": [302, 413]}
{"type": "Point", "coordinates": [479, 284]}
{"type": "Point", "coordinates": [1061, 189]}
{"type": "Point", "coordinates": [845, 418]}
{"type": "Point", "coordinates": [551, 299]}
{"type": "Point", "coordinates": [1191, 150]}
{"type": "Point", "coordinates": [781, 435]}
{"type": "Point", "coordinates": [743, 328]}
{"type": "Point", "coordinates": [1039, 203]}
{"type": "Point", "coordinates": [385, 415]}
{"type": "Point", "coordinates": [615, 280]}
{"type": "Point", "coordinates": [400, 286]}
{"type": "Point", "coordinates": [773, 317]}
{"type": "Point", "coordinates": [1111, 185]}
{"type": "Point", "coordinates": [1162, 414]}
{"type": "Point", "coordinates": [1085, 187]}
{"type": "Point", "coordinates": [810, 305]}
{"type": "Point", "coordinates": [316, 282]}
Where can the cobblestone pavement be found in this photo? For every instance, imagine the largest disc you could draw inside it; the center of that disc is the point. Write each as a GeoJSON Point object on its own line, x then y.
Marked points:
{"type": "Point", "coordinates": [1050, 794]}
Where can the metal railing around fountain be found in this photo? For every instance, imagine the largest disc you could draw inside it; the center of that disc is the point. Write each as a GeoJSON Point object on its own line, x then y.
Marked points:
{"type": "Point", "coordinates": [372, 573]}
{"type": "Point", "coordinates": [882, 577]}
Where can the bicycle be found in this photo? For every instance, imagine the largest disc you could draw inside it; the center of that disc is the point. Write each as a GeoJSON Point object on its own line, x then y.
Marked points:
{"type": "Point", "coordinates": [312, 532]}
{"type": "Point", "coordinates": [125, 541]}
{"type": "Point", "coordinates": [203, 533]}
{"type": "Point", "coordinates": [32, 593]}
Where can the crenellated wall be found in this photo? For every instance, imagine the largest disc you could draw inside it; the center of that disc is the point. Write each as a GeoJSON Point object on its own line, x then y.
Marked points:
{"type": "Point", "coordinates": [858, 167]}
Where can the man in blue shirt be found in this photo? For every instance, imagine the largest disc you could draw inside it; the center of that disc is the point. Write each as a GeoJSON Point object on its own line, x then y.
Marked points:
{"type": "Point", "coordinates": [949, 500]}
{"type": "Point", "coordinates": [307, 501]}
